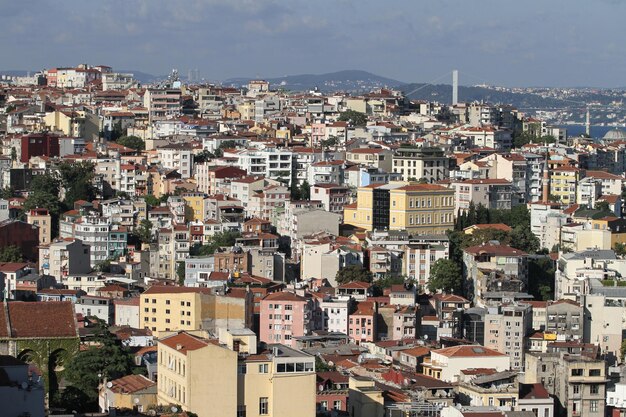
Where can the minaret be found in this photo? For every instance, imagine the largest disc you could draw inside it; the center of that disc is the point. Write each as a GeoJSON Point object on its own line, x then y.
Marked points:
{"type": "Point", "coordinates": [455, 87]}
{"type": "Point", "coordinates": [545, 187]}
{"type": "Point", "coordinates": [587, 124]}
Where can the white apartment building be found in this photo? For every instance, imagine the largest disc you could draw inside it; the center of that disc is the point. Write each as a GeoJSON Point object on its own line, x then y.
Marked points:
{"type": "Point", "coordinates": [276, 164]}
{"type": "Point", "coordinates": [178, 156]}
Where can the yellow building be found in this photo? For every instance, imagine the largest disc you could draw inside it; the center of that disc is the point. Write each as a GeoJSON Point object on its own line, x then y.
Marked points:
{"type": "Point", "coordinates": [228, 377]}
{"type": "Point", "coordinates": [70, 122]}
{"type": "Point", "coordinates": [194, 206]}
{"type": "Point", "coordinates": [167, 309]}
{"type": "Point", "coordinates": [417, 208]}
{"type": "Point", "coordinates": [564, 183]}
{"type": "Point", "coordinates": [365, 399]}
{"type": "Point", "coordinates": [198, 374]}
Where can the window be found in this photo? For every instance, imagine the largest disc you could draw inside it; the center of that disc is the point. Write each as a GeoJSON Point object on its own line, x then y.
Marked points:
{"type": "Point", "coordinates": [263, 406]}
{"type": "Point", "coordinates": [576, 389]}
{"type": "Point", "coordinates": [337, 405]}
{"type": "Point", "coordinates": [593, 372]}
{"type": "Point", "coordinates": [241, 369]}
{"type": "Point", "coordinates": [578, 372]}
{"type": "Point", "coordinates": [323, 405]}
{"type": "Point", "coordinates": [593, 405]}
{"type": "Point", "coordinates": [594, 389]}
{"type": "Point", "coordinates": [263, 368]}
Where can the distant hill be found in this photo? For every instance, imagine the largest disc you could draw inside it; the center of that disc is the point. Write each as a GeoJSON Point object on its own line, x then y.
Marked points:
{"type": "Point", "coordinates": [142, 77]}
{"type": "Point", "coordinates": [443, 94]}
{"type": "Point", "coordinates": [348, 80]}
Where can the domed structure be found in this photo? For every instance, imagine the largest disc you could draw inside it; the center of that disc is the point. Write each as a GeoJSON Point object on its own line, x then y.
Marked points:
{"type": "Point", "coordinates": [614, 134]}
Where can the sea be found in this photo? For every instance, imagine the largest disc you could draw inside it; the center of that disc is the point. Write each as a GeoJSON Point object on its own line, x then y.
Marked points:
{"type": "Point", "coordinates": [597, 132]}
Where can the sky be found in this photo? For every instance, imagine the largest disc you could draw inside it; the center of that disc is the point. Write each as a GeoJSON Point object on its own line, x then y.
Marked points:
{"type": "Point", "coordinates": [497, 42]}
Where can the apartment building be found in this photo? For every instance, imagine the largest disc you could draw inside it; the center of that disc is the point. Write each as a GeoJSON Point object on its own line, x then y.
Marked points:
{"type": "Point", "coordinates": [285, 315]}
{"type": "Point", "coordinates": [275, 164]}
{"type": "Point", "coordinates": [173, 248]}
{"type": "Point", "coordinates": [506, 327]}
{"type": "Point", "coordinates": [362, 323]}
{"type": "Point", "coordinates": [419, 257]}
{"type": "Point", "coordinates": [446, 364]}
{"type": "Point", "coordinates": [332, 196]}
{"type": "Point", "coordinates": [494, 268]}
{"type": "Point", "coordinates": [162, 104]}
{"type": "Point", "coordinates": [564, 183]}
{"type": "Point", "coordinates": [371, 157]}
{"type": "Point", "coordinates": [420, 209]}
{"type": "Point", "coordinates": [578, 382]}
{"type": "Point", "coordinates": [41, 218]}
{"type": "Point", "coordinates": [165, 309]}
{"type": "Point", "coordinates": [178, 156]}
{"type": "Point", "coordinates": [229, 376]}
{"type": "Point", "coordinates": [491, 193]}
{"type": "Point", "coordinates": [426, 163]}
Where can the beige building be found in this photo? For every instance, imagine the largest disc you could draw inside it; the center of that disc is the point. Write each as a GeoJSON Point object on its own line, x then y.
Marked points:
{"type": "Point", "coordinates": [365, 398]}
{"type": "Point", "coordinates": [42, 219]}
{"type": "Point", "coordinates": [168, 309]}
{"type": "Point", "coordinates": [578, 382]}
{"type": "Point", "coordinates": [228, 377]}
{"type": "Point", "coordinates": [128, 392]}
{"type": "Point", "coordinates": [446, 364]}
{"type": "Point", "coordinates": [506, 327]}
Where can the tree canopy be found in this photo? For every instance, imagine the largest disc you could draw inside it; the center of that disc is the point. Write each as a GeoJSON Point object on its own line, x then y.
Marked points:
{"type": "Point", "coordinates": [353, 273]}
{"type": "Point", "coordinates": [445, 276]}
{"type": "Point", "coordinates": [354, 117]}
{"type": "Point", "coordinates": [225, 238]}
{"type": "Point", "coordinates": [85, 371]}
{"type": "Point", "coordinates": [11, 253]}
{"type": "Point", "coordinates": [133, 142]}
{"type": "Point", "coordinates": [143, 231]}
{"type": "Point", "coordinates": [77, 180]}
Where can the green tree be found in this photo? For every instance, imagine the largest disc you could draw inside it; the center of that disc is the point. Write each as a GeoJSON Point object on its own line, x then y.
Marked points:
{"type": "Point", "coordinates": [180, 272]}
{"type": "Point", "coordinates": [7, 192]}
{"type": "Point", "coordinates": [620, 249]}
{"type": "Point", "coordinates": [203, 156]}
{"type": "Point", "coordinates": [77, 180]}
{"type": "Point", "coordinates": [305, 190]}
{"type": "Point", "coordinates": [353, 273]}
{"type": "Point", "coordinates": [11, 253]}
{"type": "Point", "coordinates": [152, 201]}
{"type": "Point", "coordinates": [218, 240]}
{"type": "Point", "coordinates": [44, 193]}
{"type": "Point", "coordinates": [354, 117]}
{"type": "Point", "coordinates": [13, 154]}
{"type": "Point", "coordinates": [133, 142]}
{"type": "Point", "coordinates": [87, 369]}
{"type": "Point", "coordinates": [322, 366]}
{"type": "Point", "coordinates": [446, 276]}
{"type": "Point", "coordinates": [143, 231]}
{"type": "Point", "coordinates": [602, 206]}
{"type": "Point", "coordinates": [522, 238]}
{"type": "Point", "coordinates": [542, 270]}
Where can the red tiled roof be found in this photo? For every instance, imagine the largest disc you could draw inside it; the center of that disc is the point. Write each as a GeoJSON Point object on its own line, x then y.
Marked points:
{"type": "Point", "coordinates": [184, 342]}
{"type": "Point", "coordinates": [465, 351]}
{"type": "Point", "coordinates": [283, 296]}
{"type": "Point", "coordinates": [496, 250]}
{"type": "Point", "coordinates": [48, 319]}
{"type": "Point", "coordinates": [131, 383]}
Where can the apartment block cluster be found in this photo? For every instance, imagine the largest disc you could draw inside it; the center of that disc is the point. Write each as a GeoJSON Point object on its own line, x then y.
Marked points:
{"type": "Point", "coordinates": [309, 188]}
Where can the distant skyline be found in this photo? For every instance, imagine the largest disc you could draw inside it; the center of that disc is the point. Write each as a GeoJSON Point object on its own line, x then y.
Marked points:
{"type": "Point", "coordinates": [530, 43]}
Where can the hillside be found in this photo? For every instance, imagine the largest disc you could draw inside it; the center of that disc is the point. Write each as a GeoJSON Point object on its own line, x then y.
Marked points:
{"type": "Point", "coordinates": [348, 80]}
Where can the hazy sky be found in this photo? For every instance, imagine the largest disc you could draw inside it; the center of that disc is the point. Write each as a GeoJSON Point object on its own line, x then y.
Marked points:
{"type": "Point", "coordinates": [525, 43]}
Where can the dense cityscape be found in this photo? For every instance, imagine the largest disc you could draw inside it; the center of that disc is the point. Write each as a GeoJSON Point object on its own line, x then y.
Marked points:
{"type": "Point", "coordinates": [189, 249]}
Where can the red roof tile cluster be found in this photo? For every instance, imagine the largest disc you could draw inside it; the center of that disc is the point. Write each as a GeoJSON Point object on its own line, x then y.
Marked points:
{"type": "Point", "coordinates": [49, 319]}
{"type": "Point", "coordinates": [131, 383]}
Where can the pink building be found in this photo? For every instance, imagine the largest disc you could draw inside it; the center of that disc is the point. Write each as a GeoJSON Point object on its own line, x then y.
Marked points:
{"type": "Point", "coordinates": [285, 315]}
{"type": "Point", "coordinates": [362, 322]}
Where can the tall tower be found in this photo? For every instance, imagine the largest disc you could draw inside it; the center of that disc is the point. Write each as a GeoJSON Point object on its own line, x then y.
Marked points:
{"type": "Point", "coordinates": [455, 87]}
{"type": "Point", "coordinates": [587, 124]}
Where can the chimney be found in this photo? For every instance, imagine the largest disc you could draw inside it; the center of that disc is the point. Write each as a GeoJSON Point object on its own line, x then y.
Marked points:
{"type": "Point", "coordinates": [179, 346]}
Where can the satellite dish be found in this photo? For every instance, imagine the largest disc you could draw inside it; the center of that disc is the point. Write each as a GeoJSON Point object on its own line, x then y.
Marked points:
{"type": "Point", "coordinates": [174, 410]}
{"type": "Point", "coordinates": [24, 385]}
{"type": "Point", "coordinates": [109, 384]}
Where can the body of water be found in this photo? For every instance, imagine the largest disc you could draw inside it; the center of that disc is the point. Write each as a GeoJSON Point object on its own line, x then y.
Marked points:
{"type": "Point", "coordinates": [597, 132]}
